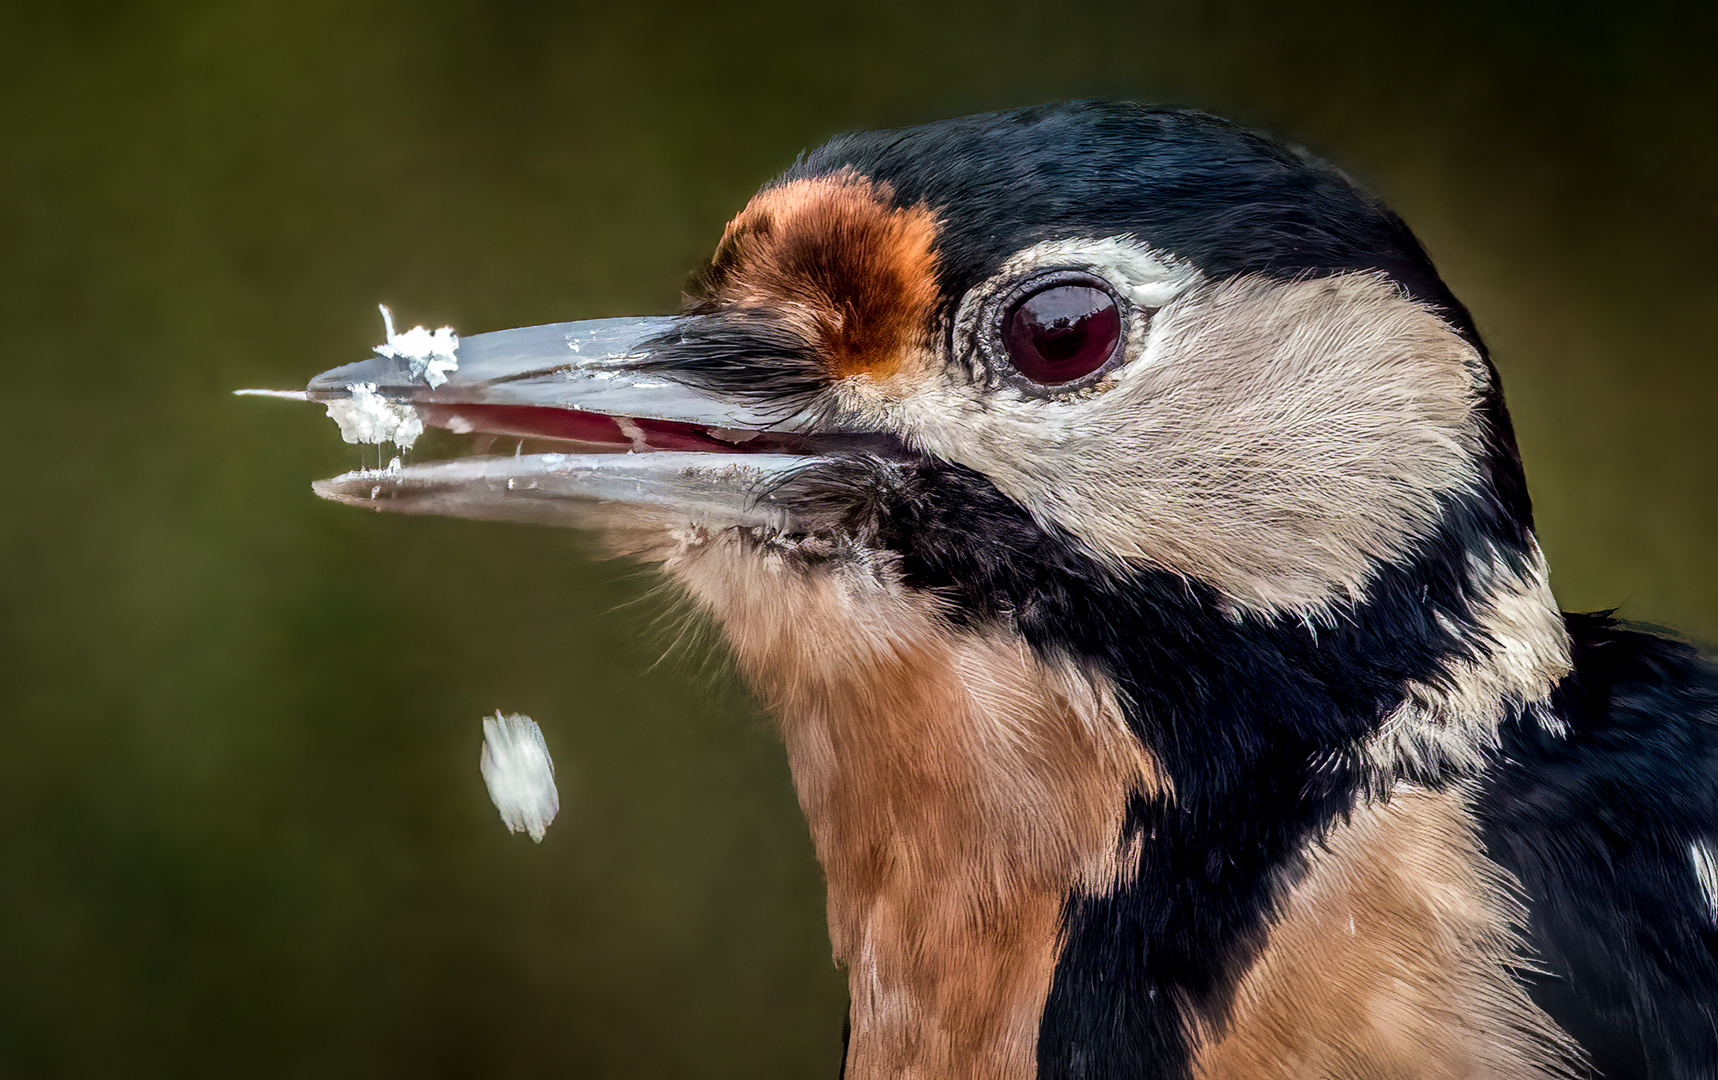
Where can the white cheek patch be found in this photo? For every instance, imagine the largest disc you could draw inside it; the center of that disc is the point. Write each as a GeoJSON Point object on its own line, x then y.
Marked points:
{"type": "Point", "coordinates": [1280, 440]}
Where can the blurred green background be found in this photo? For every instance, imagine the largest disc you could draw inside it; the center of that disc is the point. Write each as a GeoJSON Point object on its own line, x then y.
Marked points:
{"type": "Point", "coordinates": [242, 830]}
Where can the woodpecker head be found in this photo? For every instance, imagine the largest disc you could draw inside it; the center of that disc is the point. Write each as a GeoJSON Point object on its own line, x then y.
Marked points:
{"type": "Point", "coordinates": [986, 359]}
{"type": "Point", "coordinates": [1064, 478]}
{"type": "Point", "coordinates": [1172, 342]}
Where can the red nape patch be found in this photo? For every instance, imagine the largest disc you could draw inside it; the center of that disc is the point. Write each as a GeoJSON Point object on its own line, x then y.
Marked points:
{"type": "Point", "coordinates": [831, 254]}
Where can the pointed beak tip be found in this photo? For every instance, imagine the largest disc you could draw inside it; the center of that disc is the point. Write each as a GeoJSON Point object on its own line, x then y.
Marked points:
{"type": "Point", "coordinates": [285, 395]}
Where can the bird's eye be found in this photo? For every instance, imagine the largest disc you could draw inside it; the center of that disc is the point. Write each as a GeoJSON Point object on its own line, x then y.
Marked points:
{"type": "Point", "coordinates": [1059, 333]}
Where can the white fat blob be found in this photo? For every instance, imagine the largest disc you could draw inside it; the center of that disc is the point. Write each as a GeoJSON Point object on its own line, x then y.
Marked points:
{"type": "Point", "coordinates": [368, 417]}
{"type": "Point", "coordinates": [519, 773]}
{"type": "Point", "coordinates": [431, 353]}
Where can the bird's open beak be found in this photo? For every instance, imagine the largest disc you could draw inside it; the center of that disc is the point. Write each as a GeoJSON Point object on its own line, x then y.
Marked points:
{"type": "Point", "coordinates": [626, 438]}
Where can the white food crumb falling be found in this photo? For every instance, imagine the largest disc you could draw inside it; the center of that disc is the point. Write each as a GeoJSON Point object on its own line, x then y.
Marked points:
{"type": "Point", "coordinates": [368, 417]}
{"type": "Point", "coordinates": [519, 774]}
{"type": "Point", "coordinates": [431, 353]}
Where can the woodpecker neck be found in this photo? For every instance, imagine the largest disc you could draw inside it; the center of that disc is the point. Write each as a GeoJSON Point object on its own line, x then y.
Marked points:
{"type": "Point", "coordinates": [958, 788]}
{"type": "Point", "coordinates": [1268, 731]}
{"type": "Point", "coordinates": [1272, 733]}
{"type": "Point", "coordinates": [1055, 803]}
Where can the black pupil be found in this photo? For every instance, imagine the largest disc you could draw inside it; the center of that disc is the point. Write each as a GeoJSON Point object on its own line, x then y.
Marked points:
{"type": "Point", "coordinates": [1062, 332]}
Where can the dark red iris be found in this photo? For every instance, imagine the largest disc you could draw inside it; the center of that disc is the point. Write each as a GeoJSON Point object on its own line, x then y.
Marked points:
{"type": "Point", "coordinates": [1058, 334]}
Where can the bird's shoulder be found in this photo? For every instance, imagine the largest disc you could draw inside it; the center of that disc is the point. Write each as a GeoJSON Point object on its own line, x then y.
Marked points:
{"type": "Point", "coordinates": [1604, 805]}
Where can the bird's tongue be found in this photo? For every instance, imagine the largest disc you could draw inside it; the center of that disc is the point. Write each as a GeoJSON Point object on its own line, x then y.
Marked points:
{"type": "Point", "coordinates": [579, 426]}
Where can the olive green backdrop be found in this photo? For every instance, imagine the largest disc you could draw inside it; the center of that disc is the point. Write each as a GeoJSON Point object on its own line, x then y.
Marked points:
{"type": "Point", "coordinates": [242, 830]}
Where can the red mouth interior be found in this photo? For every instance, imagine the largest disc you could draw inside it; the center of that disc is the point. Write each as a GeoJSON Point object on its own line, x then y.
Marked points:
{"type": "Point", "coordinates": [573, 425]}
